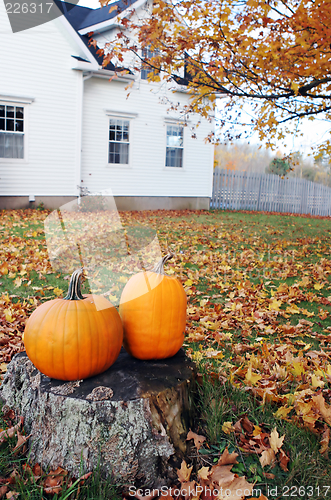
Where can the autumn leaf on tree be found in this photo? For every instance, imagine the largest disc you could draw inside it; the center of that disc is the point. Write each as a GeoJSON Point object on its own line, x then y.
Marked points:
{"type": "Point", "coordinates": [272, 53]}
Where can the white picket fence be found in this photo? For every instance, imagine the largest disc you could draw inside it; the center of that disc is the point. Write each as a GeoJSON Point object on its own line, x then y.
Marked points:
{"type": "Point", "coordinates": [263, 192]}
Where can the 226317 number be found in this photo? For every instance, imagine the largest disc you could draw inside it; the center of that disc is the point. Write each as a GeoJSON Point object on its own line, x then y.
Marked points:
{"type": "Point", "coordinates": [28, 8]}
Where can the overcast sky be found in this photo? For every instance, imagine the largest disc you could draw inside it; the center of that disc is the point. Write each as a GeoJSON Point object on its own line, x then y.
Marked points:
{"type": "Point", "coordinates": [93, 4]}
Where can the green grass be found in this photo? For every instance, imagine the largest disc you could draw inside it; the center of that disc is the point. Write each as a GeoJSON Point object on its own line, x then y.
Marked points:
{"type": "Point", "coordinates": [218, 403]}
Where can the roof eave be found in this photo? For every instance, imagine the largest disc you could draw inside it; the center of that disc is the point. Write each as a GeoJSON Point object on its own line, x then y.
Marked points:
{"type": "Point", "coordinates": [103, 73]}
{"type": "Point", "coordinates": [111, 23]}
{"type": "Point", "coordinates": [73, 33]}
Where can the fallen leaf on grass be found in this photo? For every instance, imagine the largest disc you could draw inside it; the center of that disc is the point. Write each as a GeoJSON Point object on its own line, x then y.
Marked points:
{"type": "Point", "coordinates": [257, 430]}
{"type": "Point", "coordinates": [198, 440]}
{"type": "Point", "coordinates": [85, 476]}
{"type": "Point", "coordinates": [246, 425]}
{"type": "Point", "coordinates": [9, 433]}
{"type": "Point", "coordinates": [239, 484]}
{"type": "Point", "coordinates": [21, 440]}
{"type": "Point", "coordinates": [221, 475]}
{"type": "Point", "coordinates": [54, 481]}
{"type": "Point", "coordinates": [325, 410]}
{"type": "Point", "coordinates": [227, 427]}
{"type": "Point", "coordinates": [13, 477]}
{"type": "Point", "coordinates": [9, 415]}
{"type": "Point", "coordinates": [252, 378]}
{"type": "Point", "coordinates": [283, 411]}
{"type": "Point", "coordinates": [275, 441]}
{"type": "Point", "coordinates": [203, 473]}
{"type": "Point", "coordinates": [325, 442]}
{"type": "Point", "coordinates": [3, 490]}
{"type": "Point", "coordinates": [227, 458]}
{"type": "Point", "coordinates": [186, 488]}
{"type": "Point", "coordinates": [267, 457]}
{"type": "Point", "coordinates": [283, 460]}
{"type": "Point", "coordinates": [184, 472]}
{"type": "Point", "coordinates": [11, 495]}
{"type": "Point", "coordinates": [3, 367]}
{"type": "Point", "coordinates": [37, 471]}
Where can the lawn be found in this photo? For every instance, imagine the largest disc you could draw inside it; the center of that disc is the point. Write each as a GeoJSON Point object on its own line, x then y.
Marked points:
{"type": "Point", "coordinates": [259, 329]}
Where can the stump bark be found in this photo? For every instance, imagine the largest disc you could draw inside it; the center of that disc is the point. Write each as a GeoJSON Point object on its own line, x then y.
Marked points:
{"type": "Point", "coordinates": [129, 420]}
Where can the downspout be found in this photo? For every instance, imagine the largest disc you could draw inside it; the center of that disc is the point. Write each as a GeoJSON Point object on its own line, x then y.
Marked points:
{"type": "Point", "coordinates": [80, 131]}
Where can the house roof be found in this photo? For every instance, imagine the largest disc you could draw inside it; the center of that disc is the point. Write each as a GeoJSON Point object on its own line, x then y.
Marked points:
{"type": "Point", "coordinates": [96, 16]}
{"type": "Point", "coordinates": [84, 17]}
{"type": "Point", "coordinates": [75, 14]}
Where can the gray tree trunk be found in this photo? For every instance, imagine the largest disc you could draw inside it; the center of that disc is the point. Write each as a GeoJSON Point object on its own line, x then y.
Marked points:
{"type": "Point", "coordinates": [129, 420]}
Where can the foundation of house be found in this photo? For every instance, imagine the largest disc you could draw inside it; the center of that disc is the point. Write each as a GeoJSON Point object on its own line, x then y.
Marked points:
{"type": "Point", "coordinates": [122, 202]}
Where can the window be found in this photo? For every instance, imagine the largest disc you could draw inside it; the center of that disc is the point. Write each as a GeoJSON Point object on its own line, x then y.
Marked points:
{"type": "Point", "coordinates": [11, 131]}
{"type": "Point", "coordinates": [147, 53]}
{"type": "Point", "coordinates": [118, 141]}
{"type": "Point", "coordinates": [174, 153]}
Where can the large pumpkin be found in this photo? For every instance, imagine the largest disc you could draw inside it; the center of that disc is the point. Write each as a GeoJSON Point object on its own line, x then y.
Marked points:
{"type": "Point", "coordinates": [75, 337]}
{"type": "Point", "coordinates": [153, 312]}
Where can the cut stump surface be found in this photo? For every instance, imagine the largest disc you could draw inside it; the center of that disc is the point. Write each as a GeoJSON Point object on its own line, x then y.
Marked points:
{"type": "Point", "coordinates": [128, 421]}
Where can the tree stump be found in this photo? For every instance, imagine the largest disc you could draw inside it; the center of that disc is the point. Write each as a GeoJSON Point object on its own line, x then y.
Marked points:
{"type": "Point", "coordinates": [129, 420]}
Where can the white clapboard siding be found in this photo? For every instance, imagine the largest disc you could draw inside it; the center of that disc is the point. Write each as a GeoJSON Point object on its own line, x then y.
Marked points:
{"type": "Point", "coordinates": [146, 174]}
{"type": "Point", "coordinates": [265, 192]}
{"type": "Point", "coordinates": [37, 64]}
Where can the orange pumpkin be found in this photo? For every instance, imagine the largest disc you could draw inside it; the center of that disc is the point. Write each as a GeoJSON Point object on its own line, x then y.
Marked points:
{"type": "Point", "coordinates": [153, 312]}
{"type": "Point", "coordinates": [75, 337]}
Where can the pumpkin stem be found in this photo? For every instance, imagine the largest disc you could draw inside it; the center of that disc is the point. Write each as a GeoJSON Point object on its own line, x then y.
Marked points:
{"type": "Point", "coordinates": [74, 292]}
{"type": "Point", "coordinates": [159, 268]}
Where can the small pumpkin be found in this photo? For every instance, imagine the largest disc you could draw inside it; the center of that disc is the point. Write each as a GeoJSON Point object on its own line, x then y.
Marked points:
{"type": "Point", "coordinates": [153, 312]}
{"type": "Point", "coordinates": [75, 337]}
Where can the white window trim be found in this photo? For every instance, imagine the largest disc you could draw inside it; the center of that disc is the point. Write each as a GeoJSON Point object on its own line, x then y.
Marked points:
{"type": "Point", "coordinates": [24, 103]}
{"type": "Point", "coordinates": [121, 115]}
{"type": "Point", "coordinates": [175, 121]}
{"type": "Point", "coordinates": [170, 121]}
{"type": "Point", "coordinates": [4, 99]}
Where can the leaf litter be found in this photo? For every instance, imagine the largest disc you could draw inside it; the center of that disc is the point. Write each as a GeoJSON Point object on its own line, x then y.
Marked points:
{"type": "Point", "coordinates": [258, 309]}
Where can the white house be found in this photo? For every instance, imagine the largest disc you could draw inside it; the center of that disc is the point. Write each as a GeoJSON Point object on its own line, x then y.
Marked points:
{"type": "Point", "coordinates": [64, 124]}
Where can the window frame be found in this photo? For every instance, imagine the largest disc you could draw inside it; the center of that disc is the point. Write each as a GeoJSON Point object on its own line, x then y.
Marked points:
{"type": "Point", "coordinates": [176, 123]}
{"type": "Point", "coordinates": [19, 102]}
{"type": "Point", "coordinates": [124, 116]}
{"type": "Point", "coordinates": [119, 124]}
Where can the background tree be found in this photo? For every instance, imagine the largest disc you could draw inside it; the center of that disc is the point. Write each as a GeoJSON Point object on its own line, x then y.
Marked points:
{"type": "Point", "coordinates": [279, 166]}
{"type": "Point", "coordinates": [273, 53]}
{"type": "Point", "coordinates": [242, 156]}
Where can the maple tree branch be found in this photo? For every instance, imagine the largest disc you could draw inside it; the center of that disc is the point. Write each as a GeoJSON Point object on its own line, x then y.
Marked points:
{"type": "Point", "coordinates": [278, 12]}
{"type": "Point", "coordinates": [304, 113]}
{"type": "Point", "coordinates": [289, 8]}
{"type": "Point", "coordinates": [315, 83]}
